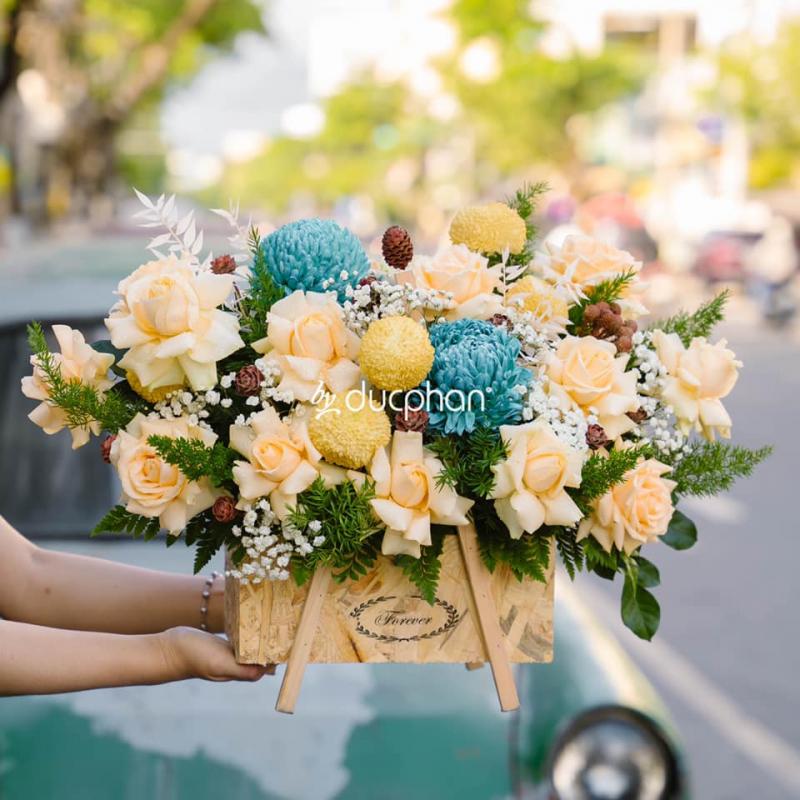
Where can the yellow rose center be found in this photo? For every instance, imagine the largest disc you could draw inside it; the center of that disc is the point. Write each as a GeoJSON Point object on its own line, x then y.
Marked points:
{"type": "Point", "coordinates": [313, 337]}
{"type": "Point", "coordinates": [276, 457]}
{"type": "Point", "coordinates": [588, 374]}
{"type": "Point", "coordinates": [544, 470]}
{"type": "Point", "coordinates": [152, 479]}
{"type": "Point", "coordinates": [411, 486]}
{"type": "Point", "coordinates": [164, 306]}
{"type": "Point", "coordinates": [645, 503]}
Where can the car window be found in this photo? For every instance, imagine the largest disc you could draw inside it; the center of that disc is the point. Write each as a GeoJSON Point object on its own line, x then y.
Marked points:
{"type": "Point", "coordinates": [47, 488]}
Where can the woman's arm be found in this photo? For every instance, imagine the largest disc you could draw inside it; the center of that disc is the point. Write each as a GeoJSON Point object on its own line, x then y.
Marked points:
{"type": "Point", "coordinates": [61, 590]}
{"type": "Point", "coordinates": [36, 660]}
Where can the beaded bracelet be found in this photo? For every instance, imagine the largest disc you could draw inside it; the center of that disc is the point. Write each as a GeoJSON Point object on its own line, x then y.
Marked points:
{"type": "Point", "coordinates": [206, 595]}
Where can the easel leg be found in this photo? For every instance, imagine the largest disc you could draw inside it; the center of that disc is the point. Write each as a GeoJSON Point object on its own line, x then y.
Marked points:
{"type": "Point", "coordinates": [304, 636]}
{"type": "Point", "coordinates": [488, 623]}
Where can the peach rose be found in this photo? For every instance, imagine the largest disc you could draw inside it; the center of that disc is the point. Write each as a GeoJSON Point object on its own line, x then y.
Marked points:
{"type": "Point", "coordinates": [307, 337]}
{"type": "Point", "coordinates": [167, 318]}
{"type": "Point", "coordinates": [587, 374]}
{"type": "Point", "coordinates": [530, 484]}
{"type": "Point", "coordinates": [698, 377]}
{"type": "Point", "coordinates": [281, 460]}
{"type": "Point", "coordinates": [152, 487]}
{"type": "Point", "coordinates": [407, 498]}
{"type": "Point", "coordinates": [581, 262]}
{"type": "Point", "coordinates": [77, 361]}
{"type": "Point", "coordinates": [465, 274]}
{"type": "Point", "coordinates": [633, 512]}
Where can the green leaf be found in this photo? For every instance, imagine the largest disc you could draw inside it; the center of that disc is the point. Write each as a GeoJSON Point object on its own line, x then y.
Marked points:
{"type": "Point", "coordinates": [528, 556]}
{"type": "Point", "coordinates": [467, 461]}
{"type": "Point", "coordinates": [647, 572]}
{"type": "Point", "coordinates": [424, 571]}
{"type": "Point", "coordinates": [608, 291]}
{"type": "Point", "coordinates": [700, 323]}
{"type": "Point", "coordinates": [605, 565]}
{"type": "Point", "coordinates": [712, 467]}
{"type": "Point", "coordinates": [681, 533]}
{"type": "Point", "coordinates": [570, 550]}
{"type": "Point", "coordinates": [120, 520]}
{"type": "Point", "coordinates": [348, 524]}
{"type": "Point", "coordinates": [640, 610]}
{"type": "Point", "coordinates": [81, 403]}
{"type": "Point", "coordinates": [601, 472]}
{"type": "Point", "coordinates": [195, 459]}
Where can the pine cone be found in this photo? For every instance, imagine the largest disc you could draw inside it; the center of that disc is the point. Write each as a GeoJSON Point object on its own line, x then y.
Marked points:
{"type": "Point", "coordinates": [224, 509]}
{"type": "Point", "coordinates": [604, 321]}
{"type": "Point", "coordinates": [638, 416]}
{"type": "Point", "coordinates": [248, 381]}
{"type": "Point", "coordinates": [596, 437]}
{"type": "Point", "coordinates": [502, 321]}
{"type": "Point", "coordinates": [105, 448]}
{"type": "Point", "coordinates": [411, 420]}
{"type": "Point", "coordinates": [398, 249]}
{"type": "Point", "coordinates": [223, 265]}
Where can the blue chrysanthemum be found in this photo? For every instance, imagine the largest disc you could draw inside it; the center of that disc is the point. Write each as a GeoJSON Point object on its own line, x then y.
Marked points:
{"type": "Point", "coordinates": [315, 255]}
{"type": "Point", "coordinates": [475, 370]}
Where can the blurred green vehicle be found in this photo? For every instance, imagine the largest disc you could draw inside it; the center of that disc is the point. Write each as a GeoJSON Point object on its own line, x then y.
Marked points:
{"type": "Point", "coordinates": [590, 726]}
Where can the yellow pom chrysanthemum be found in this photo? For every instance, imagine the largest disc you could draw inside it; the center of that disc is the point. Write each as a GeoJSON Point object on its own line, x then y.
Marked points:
{"type": "Point", "coordinates": [349, 431]}
{"type": "Point", "coordinates": [489, 229]}
{"type": "Point", "coordinates": [396, 353]}
{"type": "Point", "coordinates": [539, 298]}
{"type": "Point", "coordinates": [151, 395]}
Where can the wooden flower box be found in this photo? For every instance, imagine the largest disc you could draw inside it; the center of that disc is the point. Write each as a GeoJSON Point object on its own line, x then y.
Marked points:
{"type": "Point", "coordinates": [477, 617]}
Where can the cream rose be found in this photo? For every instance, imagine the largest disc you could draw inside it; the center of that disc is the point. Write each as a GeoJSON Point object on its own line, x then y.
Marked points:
{"type": "Point", "coordinates": [463, 273]}
{"type": "Point", "coordinates": [698, 377]}
{"type": "Point", "coordinates": [77, 361]}
{"type": "Point", "coordinates": [407, 498]}
{"type": "Point", "coordinates": [587, 374]}
{"type": "Point", "coordinates": [545, 303]}
{"type": "Point", "coordinates": [530, 484]}
{"type": "Point", "coordinates": [308, 340]}
{"type": "Point", "coordinates": [152, 487]}
{"type": "Point", "coordinates": [281, 460]}
{"type": "Point", "coordinates": [167, 318]}
{"type": "Point", "coordinates": [633, 512]}
{"type": "Point", "coordinates": [581, 262]}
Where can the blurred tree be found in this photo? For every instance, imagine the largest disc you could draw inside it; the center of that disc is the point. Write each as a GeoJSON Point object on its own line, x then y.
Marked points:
{"type": "Point", "coordinates": [509, 105]}
{"type": "Point", "coordinates": [75, 71]}
{"type": "Point", "coordinates": [762, 83]}
{"type": "Point", "coordinates": [518, 97]}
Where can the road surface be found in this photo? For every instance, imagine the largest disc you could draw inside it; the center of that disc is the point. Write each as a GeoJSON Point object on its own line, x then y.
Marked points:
{"type": "Point", "coordinates": [727, 656]}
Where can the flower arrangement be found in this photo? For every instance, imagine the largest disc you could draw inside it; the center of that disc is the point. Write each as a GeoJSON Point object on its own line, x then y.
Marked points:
{"type": "Point", "coordinates": [303, 406]}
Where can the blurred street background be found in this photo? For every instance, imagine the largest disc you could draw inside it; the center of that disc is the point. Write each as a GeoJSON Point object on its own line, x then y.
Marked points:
{"type": "Point", "coordinates": [670, 128]}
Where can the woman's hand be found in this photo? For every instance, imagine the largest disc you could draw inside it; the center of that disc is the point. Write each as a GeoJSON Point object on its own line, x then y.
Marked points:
{"type": "Point", "coordinates": [192, 653]}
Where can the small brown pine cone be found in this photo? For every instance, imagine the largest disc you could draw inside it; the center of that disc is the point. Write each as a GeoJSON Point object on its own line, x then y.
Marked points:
{"type": "Point", "coordinates": [502, 321]}
{"type": "Point", "coordinates": [398, 250]}
{"type": "Point", "coordinates": [638, 416]}
{"type": "Point", "coordinates": [615, 308]}
{"type": "Point", "coordinates": [591, 313]}
{"type": "Point", "coordinates": [411, 420]}
{"type": "Point", "coordinates": [624, 344]}
{"type": "Point", "coordinates": [596, 437]}
{"type": "Point", "coordinates": [224, 509]}
{"type": "Point", "coordinates": [105, 448]}
{"type": "Point", "coordinates": [367, 281]}
{"type": "Point", "coordinates": [248, 381]}
{"type": "Point", "coordinates": [223, 265]}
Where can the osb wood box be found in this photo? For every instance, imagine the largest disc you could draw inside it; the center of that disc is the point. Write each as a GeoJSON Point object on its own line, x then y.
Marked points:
{"type": "Point", "coordinates": [382, 618]}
